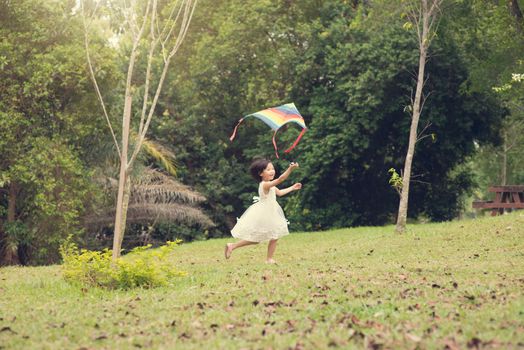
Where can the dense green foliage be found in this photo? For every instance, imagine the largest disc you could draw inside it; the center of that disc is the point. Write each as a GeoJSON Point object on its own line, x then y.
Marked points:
{"type": "Point", "coordinates": [490, 39]}
{"type": "Point", "coordinates": [361, 123]}
{"type": "Point", "coordinates": [49, 127]}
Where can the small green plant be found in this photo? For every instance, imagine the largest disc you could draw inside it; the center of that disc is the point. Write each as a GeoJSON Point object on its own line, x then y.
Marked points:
{"type": "Point", "coordinates": [395, 180]}
{"type": "Point", "coordinates": [142, 267]}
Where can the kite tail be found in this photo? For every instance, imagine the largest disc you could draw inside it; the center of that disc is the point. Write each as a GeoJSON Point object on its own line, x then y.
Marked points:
{"type": "Point", "coordinates": [275, 144]}
{"type": "Point", "coordinates": [296, 141]}
{"type": "Point", "coordinates": [235, 130]}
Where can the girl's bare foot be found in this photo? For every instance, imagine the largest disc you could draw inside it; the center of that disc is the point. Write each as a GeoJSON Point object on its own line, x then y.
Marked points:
{"type": "Point", "coordinates": [270, 261]}
{"type": "Point", "coordinates": [228, 250]}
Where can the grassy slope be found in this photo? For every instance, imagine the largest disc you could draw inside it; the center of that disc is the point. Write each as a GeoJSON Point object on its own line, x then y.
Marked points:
{"type": "Point", "coordinates": [454, 284]}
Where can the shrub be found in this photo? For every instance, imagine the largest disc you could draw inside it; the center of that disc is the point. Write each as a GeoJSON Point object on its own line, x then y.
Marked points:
{"type": "Point", "coordinates": [142, 267]}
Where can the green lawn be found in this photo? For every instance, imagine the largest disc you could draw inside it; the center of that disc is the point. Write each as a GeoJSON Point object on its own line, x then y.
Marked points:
{"type": "Point", "coordinates": [454, 285]}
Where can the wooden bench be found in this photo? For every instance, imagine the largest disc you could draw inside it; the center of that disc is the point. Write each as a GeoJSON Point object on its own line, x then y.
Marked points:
{"type": "Point", "coordinates": [506, 197]}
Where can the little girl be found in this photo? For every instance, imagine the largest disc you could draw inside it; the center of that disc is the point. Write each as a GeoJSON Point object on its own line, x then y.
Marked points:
{"type": "Point", "coordinates": [264, 220]}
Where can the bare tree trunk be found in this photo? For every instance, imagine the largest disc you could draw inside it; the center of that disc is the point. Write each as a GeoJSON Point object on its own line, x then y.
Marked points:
{"type": "Point", "coordinates": [514, 10]}
{"type": "Point", "coordinates": [406, 176]}
{"type": "Point", "coordinates": [125, 205]}
{"type": "Point", "coordinates": [11, 202]}
{"type": "Point", "coordinates": [424, 19]}
{"type": "Point", "coordinates": [118, 234]}
{"type": "Point", "coordinates": [10, 256]}
{"type": "Point", "coordinates": [504, 170]}
{"type": "Point", "coordinates": [2, 240]}
{"type": "Point", "coordinates": [123, 177]}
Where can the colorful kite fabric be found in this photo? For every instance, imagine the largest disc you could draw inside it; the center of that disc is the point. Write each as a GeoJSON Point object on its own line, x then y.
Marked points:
{"type": "Point", "coordinates": [277, 117]}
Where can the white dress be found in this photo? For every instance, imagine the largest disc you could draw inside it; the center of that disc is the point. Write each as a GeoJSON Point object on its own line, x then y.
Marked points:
{"type": "Point", "coordinates": [262, 221]}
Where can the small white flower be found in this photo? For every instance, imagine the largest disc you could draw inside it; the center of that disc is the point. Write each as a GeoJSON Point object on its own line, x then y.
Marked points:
{"type": "Point", "coordinates": [517, 77]}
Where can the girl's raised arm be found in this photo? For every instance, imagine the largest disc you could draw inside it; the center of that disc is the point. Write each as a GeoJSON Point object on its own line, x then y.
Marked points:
{"type": "Point", "coordinates": [267, 185]}
{"type": "Point", "coordinates": [285, 191]}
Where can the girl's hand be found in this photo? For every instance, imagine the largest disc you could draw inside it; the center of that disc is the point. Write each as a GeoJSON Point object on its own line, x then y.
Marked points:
{"type": "Point", "coordinates": [297, 186]}
{"type": "Point", "coordinates": [293, 165]}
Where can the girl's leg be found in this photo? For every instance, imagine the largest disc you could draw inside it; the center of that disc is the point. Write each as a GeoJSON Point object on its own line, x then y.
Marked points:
{"type": "Point", "coordinates": [272, 245]}
{"type": "Point", "coordinates": [232, 246]}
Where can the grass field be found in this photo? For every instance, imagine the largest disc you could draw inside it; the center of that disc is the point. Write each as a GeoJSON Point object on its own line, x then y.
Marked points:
{"type": "Point", "coordinates": [452, 285]}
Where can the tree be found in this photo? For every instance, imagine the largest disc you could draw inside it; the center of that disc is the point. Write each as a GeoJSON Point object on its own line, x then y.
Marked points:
{"type": "Point", "coordinates": [158, 29]}
{"type": "Point", "coordinates": [512, 131]}
{"type": "Point", "coordinates": [489, 37]}
{"type": "Point", "coordinates": [515, 11]}
{"type": "Point", "coordinates": [47, 129]}
{"type": "Point", "coordinates": [423, 16]}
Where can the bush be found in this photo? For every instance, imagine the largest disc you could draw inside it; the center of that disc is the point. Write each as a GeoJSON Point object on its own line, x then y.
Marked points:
{"type": "Point", "coordinates": [142, 267]}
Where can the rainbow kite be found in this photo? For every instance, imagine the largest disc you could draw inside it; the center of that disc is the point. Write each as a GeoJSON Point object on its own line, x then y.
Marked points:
{"type": "Point", "coordinates": [277, 117]}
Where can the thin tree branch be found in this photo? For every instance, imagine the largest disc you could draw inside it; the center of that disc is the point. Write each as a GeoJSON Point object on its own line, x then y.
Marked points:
{"type": "Point", "coordinates": [186, 27]}
{"type": "Point", "coordinates": [173, 24]}
{"type": "Point", "coordinates": [419, 136]}
{"type": "Point", "coordinates": [424, 99]}
{"type": "Point", "coordinates": [93, 77]}
{"type": "Point", "coordinates": [132, 57]}
{"type": "Point", "coordinates": [141, 136]}
{"type": "Point", "coordinates": [419, 181]}
{"type": "Point", "coordinates": [188, 13]}
{"type": "Point", "coordinates": [154, 43]}
{"type": "Point", "coordinates": [435, 6]}
{"type": "Point", "coordinates": [170, 22]}
{"type": "Point", "coordinates": [130, 20]}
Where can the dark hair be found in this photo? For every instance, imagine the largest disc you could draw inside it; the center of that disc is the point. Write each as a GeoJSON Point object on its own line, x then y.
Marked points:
{"type": "Point", "coordinates": [257, 167]}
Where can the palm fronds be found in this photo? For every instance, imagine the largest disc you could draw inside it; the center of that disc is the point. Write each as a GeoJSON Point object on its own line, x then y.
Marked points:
{"type": "Point", "coordinates": [156, 197]}
{"type": "Point", "coordinates": [154, 186]}
{"type": "Point", "coordinates": [158, 213]}
{"type": "Point", "coordinates": [161, 154]}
